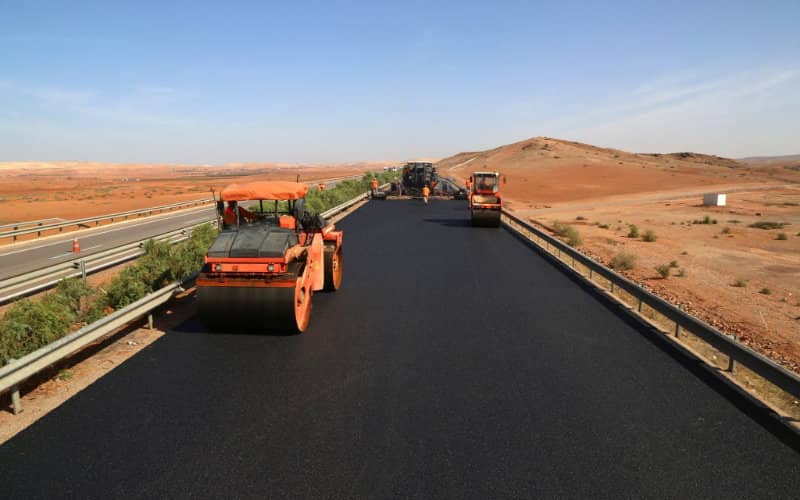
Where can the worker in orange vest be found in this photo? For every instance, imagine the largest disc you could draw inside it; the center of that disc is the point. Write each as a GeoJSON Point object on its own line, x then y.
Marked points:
{"type": "Point", "coordinates": [425, 193]}
{"type": "Point", "coordinates": [229, 217]}
{"type": "Point", "coordinates": [374, 185]}
{"type": "Point", "coordinates": [469, 185]}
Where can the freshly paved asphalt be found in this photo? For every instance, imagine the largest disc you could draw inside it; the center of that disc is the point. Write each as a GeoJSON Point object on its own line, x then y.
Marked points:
{"type": "Point", "coordinates": [455, 362]}
{"type": "Point", "coordinates": [18, 259]}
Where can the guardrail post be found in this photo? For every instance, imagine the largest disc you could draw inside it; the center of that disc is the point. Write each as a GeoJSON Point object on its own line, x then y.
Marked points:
{"type": "Point", "coordinates": [82, 265]}
{"type": "Point", "coordinates": [731, 361]}
{"type": "Point", "coordinates": [677, 330]}
{"type": "Point", "coordinates": [16, 403]}
{"type": "Point", "coordinates": [150, 321]}
{"type": "Point", "coordinates": [639, 307]}
{"type": "Point", "coordinates": [613, 287]}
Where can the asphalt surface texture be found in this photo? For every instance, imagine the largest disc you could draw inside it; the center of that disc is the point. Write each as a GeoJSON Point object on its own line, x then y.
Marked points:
{"type": "Point", "coordinates": [36, 254]}
{"type": "Point", "coordinates": [455, 362]}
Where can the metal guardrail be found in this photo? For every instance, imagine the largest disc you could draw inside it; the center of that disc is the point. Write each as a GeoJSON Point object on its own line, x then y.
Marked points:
{"type": "Point", "coordinates": [682, 321]}
{"type": "Point", "coordinates": [40, 222]}
{"type": "Point", "coordinates": [17, 371]}
{"type": "Point", "coordinates": [96, 219]}
{"type": "Point", "coordinates": [27, 283]}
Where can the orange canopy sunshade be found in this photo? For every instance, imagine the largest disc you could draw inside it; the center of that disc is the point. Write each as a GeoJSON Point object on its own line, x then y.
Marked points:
{"type": "Point", "coordinates": [264, 190]}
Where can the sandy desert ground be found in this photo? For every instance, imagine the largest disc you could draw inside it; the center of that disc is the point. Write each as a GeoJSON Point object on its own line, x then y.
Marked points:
{"type": "Point", "coordinates": [70, 190]}
{"type": "Point", "coordinates": [602, 191]}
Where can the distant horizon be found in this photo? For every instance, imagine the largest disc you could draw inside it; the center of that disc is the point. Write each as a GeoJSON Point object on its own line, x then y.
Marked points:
{"type": "Point", "coordinates": [335, 81]}
{"type": "Point", "coordinates": [351, 162]}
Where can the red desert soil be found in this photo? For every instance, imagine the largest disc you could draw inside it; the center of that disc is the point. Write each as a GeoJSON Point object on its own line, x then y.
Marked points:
{"type": "Point", "coordinates": [550, 180]}
{"type": "Point", "coordinates": [71, 190]}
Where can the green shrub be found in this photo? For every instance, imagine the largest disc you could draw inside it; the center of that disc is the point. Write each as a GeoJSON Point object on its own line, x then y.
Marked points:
{"type": "Point", "coordinates": [580, 217]}
{"type": "Point", "coordinates": [673, 263]}
{"type": "Point", "coordinates": [740, 283]}
{"type": "Point", "coordinates": [633, 231]}
{"type": "Point", "coordinates": [765, 291]}
{"type": "Point", "coordinates": [571, 234]}
{"type": "Point", "coordinates": [603, 226]}
{"type": "Point", "coordinates": [705, 220]}
{"type": "Point", "coordinates": [781, 236]}
{"type": "Point", "coordinates": [649, 236]}
{"type": "Point", "coordinates": [767, 225]}
{"type": "Point", "coordinates": [623, 261]}
{"type": "Point", "coordinates": [663, 270]}
{"type": "Point", "coordinates": [682, 273]}
{"type": "Point", "coordinates": [726, 230]}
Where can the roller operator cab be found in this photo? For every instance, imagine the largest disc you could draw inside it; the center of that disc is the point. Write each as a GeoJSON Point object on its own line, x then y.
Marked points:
{"type": "Point", "coordinates": [268, 260]}
{"type": "Point", "coordinates": [485, 202]}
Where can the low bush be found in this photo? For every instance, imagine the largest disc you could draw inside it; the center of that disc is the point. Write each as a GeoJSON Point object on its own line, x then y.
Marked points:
{"type": "Point", "coordinates": [781, 236]}
{"type": "Point", "coordinates": [571, 234]}
{"type": "Point", "coordinates": [623, 261]}
{"type": "Point", "coordinates": [663, 270]}
{"type": "Point", "coordinates": [705, 220]}
{"type": "Point", "coordinates": [633, 231]}
{"type": "Point", "coordinates": [649, 236]}
{"type": "Point", "coordinates": [765, 291]}
{"type": "Point", "coordinates": [767, 225]}
{"type": "Point", "coordinates": [740, 283]}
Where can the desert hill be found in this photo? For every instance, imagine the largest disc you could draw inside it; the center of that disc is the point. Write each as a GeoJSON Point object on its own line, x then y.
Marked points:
{"type": "Point", "coordinates": [550, 170]}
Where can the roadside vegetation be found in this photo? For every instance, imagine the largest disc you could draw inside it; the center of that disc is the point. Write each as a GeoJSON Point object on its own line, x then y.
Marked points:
{"type": "Point", "coordinates": [319, 201]}
{"type": "Point", "coordinates": [623, 261]}
{"type": "Point", "coordinates": [767, 225]}
{"type": "Point", "coordinates": [32, 323]}
{"type": "Point", "coordinates": [572, 235]}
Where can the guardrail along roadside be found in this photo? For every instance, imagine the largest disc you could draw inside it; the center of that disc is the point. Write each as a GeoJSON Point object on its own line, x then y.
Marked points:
{"type": "Point", "coordinates": [758, 375]}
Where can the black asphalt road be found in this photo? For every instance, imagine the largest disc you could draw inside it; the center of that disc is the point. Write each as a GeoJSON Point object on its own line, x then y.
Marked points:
{"type": "Point", "coordinates": [18, 259]}
{"type": "Point", "coordinates": [456, 362]}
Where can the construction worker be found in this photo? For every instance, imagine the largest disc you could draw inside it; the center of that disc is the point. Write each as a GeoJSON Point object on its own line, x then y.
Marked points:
{"type": "Point", "coordinates": [469, 185]}
{"type": "Point", "coordinates": [229, 218]}
{"type": "Point", "coordinates": [373, 186]}
{"type": "Point", "coordinates": [425, 193]}
{"type": "Point", "coordinates": [321, 186]}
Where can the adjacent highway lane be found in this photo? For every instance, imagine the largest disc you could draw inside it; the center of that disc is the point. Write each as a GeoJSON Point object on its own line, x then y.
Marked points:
{"type": "Point", "coordinates": [23, 257]}
{"type": "Point", "coordinates": [455, 362]}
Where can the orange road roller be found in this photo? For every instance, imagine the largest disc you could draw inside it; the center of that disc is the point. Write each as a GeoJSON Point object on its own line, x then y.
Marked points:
{"type": "Point", "coordinates": [485, 202]}
{"type": "Point", "coordinates": [268, 260]}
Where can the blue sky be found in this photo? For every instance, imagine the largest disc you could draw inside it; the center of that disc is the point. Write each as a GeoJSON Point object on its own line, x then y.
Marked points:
{"type": "Point", "coordinates": [334, 81]}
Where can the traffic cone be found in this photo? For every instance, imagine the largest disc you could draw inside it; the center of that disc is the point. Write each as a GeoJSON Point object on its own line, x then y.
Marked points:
{"type": "Point", "coordinates": [75, 246]}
